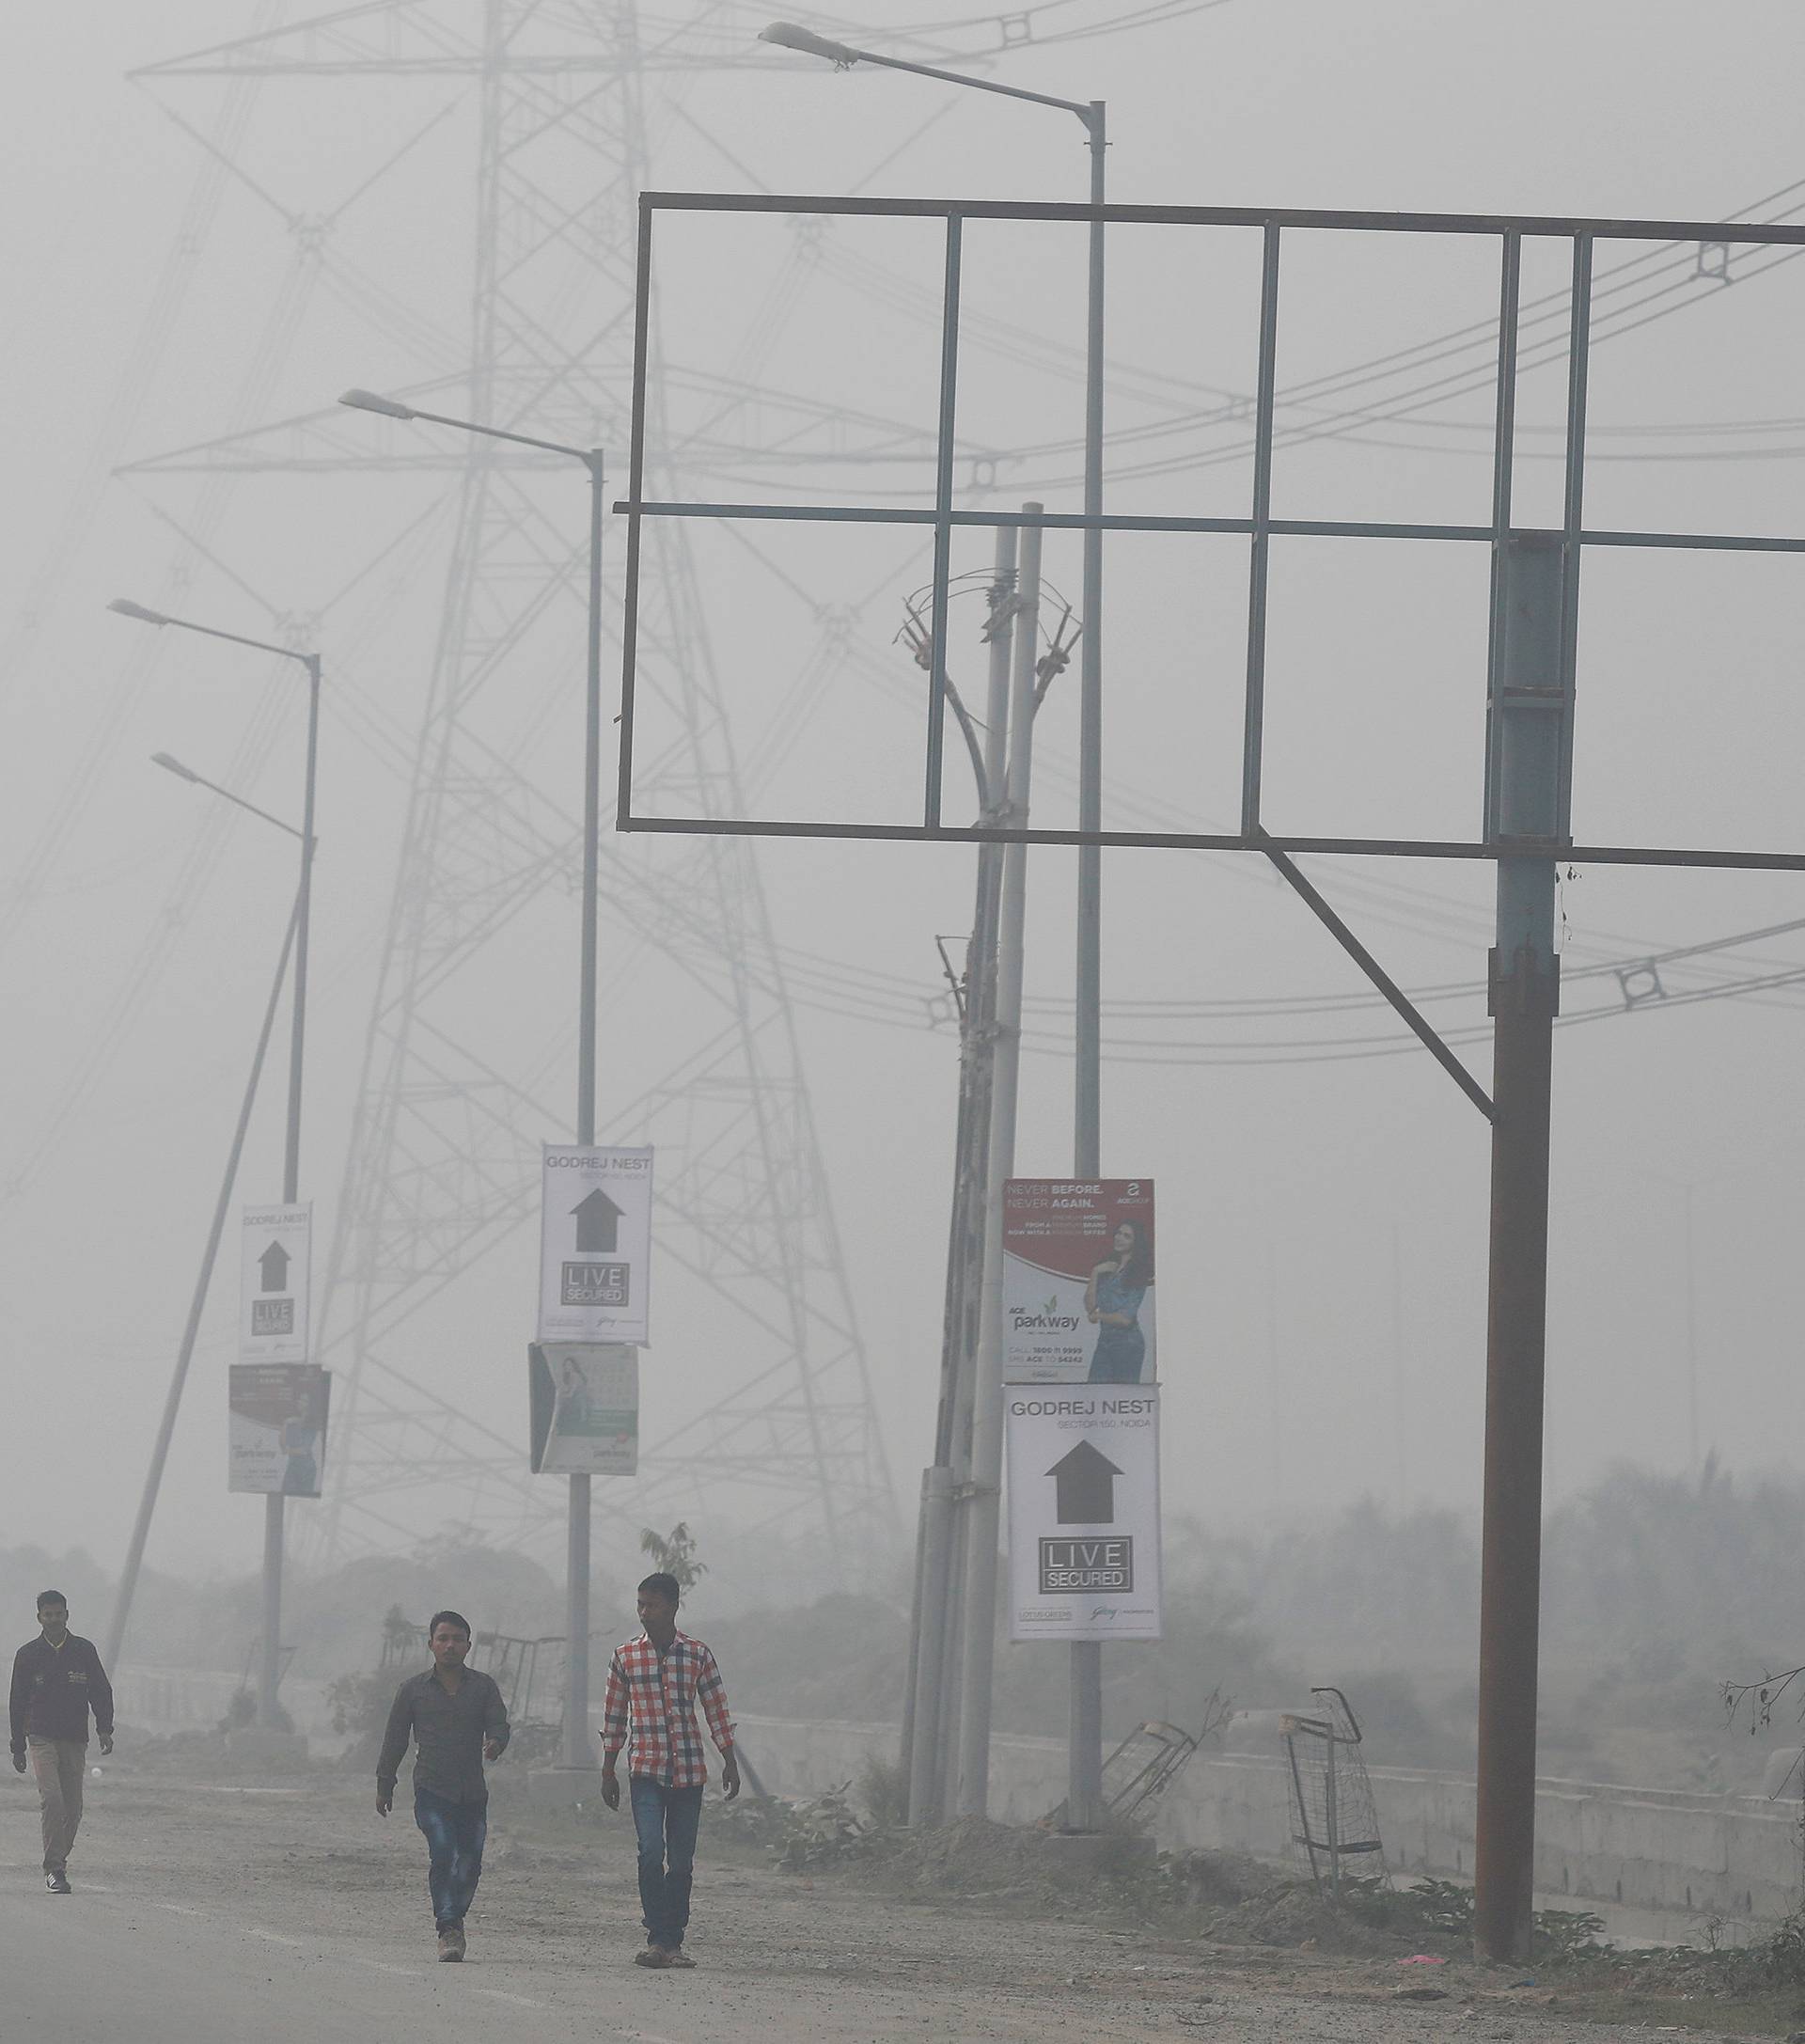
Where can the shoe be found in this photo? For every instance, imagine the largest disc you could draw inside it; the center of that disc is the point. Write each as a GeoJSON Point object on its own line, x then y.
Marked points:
{"type": "Point", "coordinates": [653, 1956]}
{"type": "Point", "coordinates": [678, 1956]}
{"type": "Point", "coordinates": [451, 1946]}
{"type": "Point", "coordinates": [58, 1884]}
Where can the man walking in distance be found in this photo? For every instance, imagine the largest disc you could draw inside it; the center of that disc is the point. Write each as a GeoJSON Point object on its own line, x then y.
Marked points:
{"type": "Point", "coordinates": [654, 1683]}
{"type": "Point", "coordinates": [56, 1680]}
{"type": "Point", "coordinates": [458, 1720]}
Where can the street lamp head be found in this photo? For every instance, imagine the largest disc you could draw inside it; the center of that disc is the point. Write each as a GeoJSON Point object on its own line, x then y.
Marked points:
{"type": "Point", "coordinates": [175, 766]}
{"type": "Point", "coordinates": [127, 609]}
{"type": "Point", "coordinates": [367, 400]}
{"type": "Point", "coordinates": [787, 36]}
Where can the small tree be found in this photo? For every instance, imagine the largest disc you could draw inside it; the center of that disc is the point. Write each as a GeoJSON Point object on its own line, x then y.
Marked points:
{"type": "Point", "coordinates": [674, 1554]}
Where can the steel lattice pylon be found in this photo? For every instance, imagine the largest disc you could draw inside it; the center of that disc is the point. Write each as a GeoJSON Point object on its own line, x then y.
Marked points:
{"type": "Point", "coordinates": [443, 1166]}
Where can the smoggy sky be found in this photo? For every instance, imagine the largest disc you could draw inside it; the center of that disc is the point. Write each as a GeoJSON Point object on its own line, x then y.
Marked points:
{"type": "Point", "coordinates": [191, 261]}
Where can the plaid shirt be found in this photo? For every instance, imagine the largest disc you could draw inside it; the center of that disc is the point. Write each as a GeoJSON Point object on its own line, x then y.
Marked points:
{"type": "Point", "coordinates": [661, 1696]}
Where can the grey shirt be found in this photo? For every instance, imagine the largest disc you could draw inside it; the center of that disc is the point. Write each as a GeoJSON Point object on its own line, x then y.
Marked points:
{"type": "Point", "coordinates": [448, 1731]}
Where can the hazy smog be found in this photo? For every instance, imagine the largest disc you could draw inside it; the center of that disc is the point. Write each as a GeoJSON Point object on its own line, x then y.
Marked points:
{"type": "Point", "coordinates": [339, 343]}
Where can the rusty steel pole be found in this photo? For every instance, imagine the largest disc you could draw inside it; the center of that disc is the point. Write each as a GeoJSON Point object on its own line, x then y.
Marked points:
{"type": "Point", "coordinates": [1531, 728]}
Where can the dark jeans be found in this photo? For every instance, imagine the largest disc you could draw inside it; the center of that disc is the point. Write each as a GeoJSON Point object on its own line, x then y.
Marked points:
{"type": "Point", "coordinates": [1120, 1355]}
{"type": "Point", "coordinates": [454, 1836]}
{"type": "Point", "coordinates": [667, 1821]}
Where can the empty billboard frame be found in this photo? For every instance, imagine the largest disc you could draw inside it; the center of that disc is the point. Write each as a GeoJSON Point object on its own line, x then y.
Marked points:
{"type": "Point", "coordinates": [1258, 526]}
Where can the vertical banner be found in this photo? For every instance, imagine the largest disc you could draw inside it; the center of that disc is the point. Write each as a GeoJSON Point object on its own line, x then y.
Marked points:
{"type": "Point", "coordinates": [584, 1408]}
{"type": "Point", "coordinates": [273, 1266]}
{"type": "Point", "coordinates": [595, 1245]}
{"type": "Point", "coordinates": [1078, 1281]}
{"type": "Point", "coordinates": [277, 1436]}
{"type": "Point", "coordinates": [1084, 1558]}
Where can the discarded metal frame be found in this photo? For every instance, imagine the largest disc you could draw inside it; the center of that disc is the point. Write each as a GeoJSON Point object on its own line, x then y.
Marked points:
{"type": "Point", "coordinates": [1330, 1801]}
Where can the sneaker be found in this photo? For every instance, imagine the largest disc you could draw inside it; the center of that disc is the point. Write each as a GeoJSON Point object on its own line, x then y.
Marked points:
{"type": "Point", "coordinates": [57, 1883]}
{"type": "Point", "coordinates": [451, 1946]}
{"type": "Point", "coordinates": [653, 1956]}
{"type": "Point", "coordinates": [678, 1956]}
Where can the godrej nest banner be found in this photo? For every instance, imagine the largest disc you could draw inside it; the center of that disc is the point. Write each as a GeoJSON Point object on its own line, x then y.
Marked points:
{"type": "Point", "coordinates": [1078, 1281]}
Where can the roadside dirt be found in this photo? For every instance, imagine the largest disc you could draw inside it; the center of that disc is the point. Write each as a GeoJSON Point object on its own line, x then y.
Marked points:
{"type": "Point", "coordinates": [840, 1954]}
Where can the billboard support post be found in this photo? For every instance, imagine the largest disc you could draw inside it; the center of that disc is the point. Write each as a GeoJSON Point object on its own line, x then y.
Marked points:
{"type": "Point", "coordinates": [1531, 750]}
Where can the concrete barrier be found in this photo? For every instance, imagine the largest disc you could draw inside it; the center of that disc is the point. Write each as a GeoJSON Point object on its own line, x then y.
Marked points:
{"type": "Point", "coordinates": [1657, 1863]}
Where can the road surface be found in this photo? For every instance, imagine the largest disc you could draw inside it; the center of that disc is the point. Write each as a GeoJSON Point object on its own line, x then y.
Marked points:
{"type": "Point", "coordinates": [205, 1914]}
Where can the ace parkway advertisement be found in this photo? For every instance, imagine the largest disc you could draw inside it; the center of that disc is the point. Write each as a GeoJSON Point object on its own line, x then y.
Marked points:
{"type": "Point", "coordinates": [1078, 1281]}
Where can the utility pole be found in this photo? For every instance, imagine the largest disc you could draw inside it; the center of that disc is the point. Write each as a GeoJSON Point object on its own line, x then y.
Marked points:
{"type": "Point", "coordinates": [931, 1722]}
{"type": "Point", "coordinates": [1530, 747]}
{"type": "Point", "coordinates": [121, 1614]}
{"type": "Point", "coordinates": [982, 1514]}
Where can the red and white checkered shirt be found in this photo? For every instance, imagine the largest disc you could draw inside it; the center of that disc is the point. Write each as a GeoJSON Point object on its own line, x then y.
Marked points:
{"type": "Point", "coordinates": [661, 1694]}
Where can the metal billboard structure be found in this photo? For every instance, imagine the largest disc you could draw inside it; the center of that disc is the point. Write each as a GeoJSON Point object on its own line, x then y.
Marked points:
{"type": "Point", "coordinates": [1525, 800]}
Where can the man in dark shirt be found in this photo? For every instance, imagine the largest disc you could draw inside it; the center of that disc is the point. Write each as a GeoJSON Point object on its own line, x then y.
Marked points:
{"type": "Point", "coordinates": [458, 1720]}
{"type": "Point", "coordinates": [56, 1680]}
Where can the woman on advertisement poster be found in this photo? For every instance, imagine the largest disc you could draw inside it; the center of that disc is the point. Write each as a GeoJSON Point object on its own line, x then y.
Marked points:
{"type": "Point", "coordinates": [1112, 1301]}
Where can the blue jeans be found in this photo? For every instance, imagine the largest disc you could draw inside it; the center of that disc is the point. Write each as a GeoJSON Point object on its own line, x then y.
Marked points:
{"type": "Point", "coordinates": [454, 1836]}
{"type": "Point", "coordinates": [665, 1820]}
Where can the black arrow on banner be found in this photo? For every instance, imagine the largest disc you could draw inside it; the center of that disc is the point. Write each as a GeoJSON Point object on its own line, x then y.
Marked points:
{"type": "Point", "coordinates": [275, 1266]}
{"type": "Point", "coordinates": [598, 1224]}
{"type": "Point", "coordinates": [1086, 1481]}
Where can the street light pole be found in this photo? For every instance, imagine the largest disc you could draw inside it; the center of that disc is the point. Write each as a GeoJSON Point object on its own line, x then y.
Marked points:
{"type": "Point", "coordinates": [576, 1751]}
{"type": "Point", "coordinates": [1084, 1727]}
{"type": "Point", "coordinates": [269, 1661]}
{"type": "Point", "coordinates": [1084, 1789]}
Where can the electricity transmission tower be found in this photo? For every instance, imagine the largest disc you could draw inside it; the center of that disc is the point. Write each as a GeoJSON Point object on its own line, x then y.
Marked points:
{"type": "Point", "coordinates": [443, 1165]}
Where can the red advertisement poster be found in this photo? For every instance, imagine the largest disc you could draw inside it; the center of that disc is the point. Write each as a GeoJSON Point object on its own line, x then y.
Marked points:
{"type": "Point", "coordinates": [1078, 1281]}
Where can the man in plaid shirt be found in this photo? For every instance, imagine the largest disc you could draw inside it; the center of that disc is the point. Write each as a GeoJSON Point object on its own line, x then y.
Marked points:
{"type": "Point", "coordinates": [655, 1681]}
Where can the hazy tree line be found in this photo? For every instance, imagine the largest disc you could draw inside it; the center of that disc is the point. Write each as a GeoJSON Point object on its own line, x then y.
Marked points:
{"type": "Point", "coordinates": [1655, 1588]}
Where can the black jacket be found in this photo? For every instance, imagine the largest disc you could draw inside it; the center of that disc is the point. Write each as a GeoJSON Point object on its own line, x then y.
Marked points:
{"type": "Point", "coordinates": [53, 1689]}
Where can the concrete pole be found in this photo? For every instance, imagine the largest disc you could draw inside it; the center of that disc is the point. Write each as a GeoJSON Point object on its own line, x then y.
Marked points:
{"type": "Point", "coordinates": [1531, 749]}
{"type": "Point", "coordinates": [983, 1512]}
{"type": "Point", "coordinates": [1084, 1724]}
{"type": "Point", "coordinates": [121, 1613]}
{"type": "Point", "coordinates": [930, 1725]}
{"type": "Point", "coordinates": [270, 1662]}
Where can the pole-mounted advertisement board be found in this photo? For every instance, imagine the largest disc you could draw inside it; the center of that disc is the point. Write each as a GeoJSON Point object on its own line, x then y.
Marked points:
{"type": "Point", "coordinates": [1078, 1281]}
{"type": "Point", "coordinates": [276, 1438]}
{"type": "Point", "coordinates": [584, 1408]}
{"type": "Point", "coordinates": [273, 1266]}
{"type": "Point", "coordinates": [1084, 1559]}
{"type": "Point", "coordinates": [595, 1245]}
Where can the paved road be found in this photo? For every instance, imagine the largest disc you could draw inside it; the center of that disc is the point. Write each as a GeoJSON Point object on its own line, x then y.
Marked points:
{"type": "Point", "coordinates": [117, 1965]}
{"type": "Point", "coordinates": [111, 1966]}
{"type": "Point", "coordinates": [211, 1914]}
